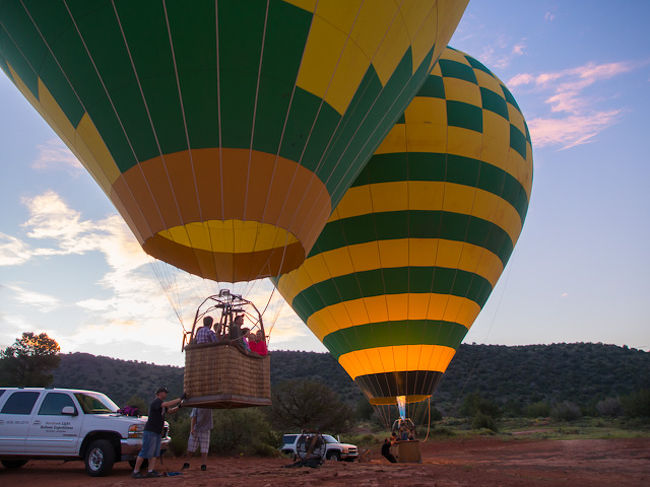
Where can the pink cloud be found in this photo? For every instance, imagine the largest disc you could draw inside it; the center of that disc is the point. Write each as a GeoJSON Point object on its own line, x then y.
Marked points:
{"type": "Point", "coordinates": [572, 130]}
{"type": "Point", "coordinates": [577, 121]}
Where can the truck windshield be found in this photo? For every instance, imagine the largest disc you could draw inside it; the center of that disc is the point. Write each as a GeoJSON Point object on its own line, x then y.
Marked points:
{"type": "Point", "coordinates": [94, 403]}
{"type": "Point", "coordinates": [329, 439]}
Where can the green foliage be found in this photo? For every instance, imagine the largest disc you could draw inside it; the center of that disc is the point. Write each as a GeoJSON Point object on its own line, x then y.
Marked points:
{"type": "Point", "coordinates": [475, 404]}
{"type": "Point", "coordinates": [244, 431]}
{"type": "Point", "coordinates": [637, 404]}
{"type": "Point", "coordinates": [364, 409]}
{"type": "Point", "coordinates": [539, 409]}
{"type": "Point", "coordinates": [512, 377]}
{"type": "Point", "coordinates": [484, 421]}
{"type": "Point", "coordinates": [305, 404]}
{"type": "Point", "coordinates": [138, 402]}
{"type": "Point", "coordinates": [566, 411]}
{"type": "Point", "coordinates": [29, 361]}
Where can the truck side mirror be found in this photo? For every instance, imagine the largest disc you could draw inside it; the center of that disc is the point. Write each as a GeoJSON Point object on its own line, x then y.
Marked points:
{"type": "Point", "coordinates": [69, 411]}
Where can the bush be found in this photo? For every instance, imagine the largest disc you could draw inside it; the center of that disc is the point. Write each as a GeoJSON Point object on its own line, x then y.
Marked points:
{"type": "Point", "coordinates": [637, 404]}
{"type": "Point", "coordinates": [474, 404]}
{"type": "Point", "coordinates": [179, 430]}
{"type": "Point", "coordinates": [610, 406]}
{"type": "Point", "coordinates": [242, 431]}
{"type": "Point", "coordinates": [306, 404]}
{"type": "Point", "coordinates": [566, 411]}
{"type": "Point", "coordinates": [540, 409]}
{"type": "Point", "coordinates": [483, 421]}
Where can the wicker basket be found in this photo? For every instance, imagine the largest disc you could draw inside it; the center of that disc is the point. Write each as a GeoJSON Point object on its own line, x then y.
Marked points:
{"type": "Point", "coordinates": [219, 375]}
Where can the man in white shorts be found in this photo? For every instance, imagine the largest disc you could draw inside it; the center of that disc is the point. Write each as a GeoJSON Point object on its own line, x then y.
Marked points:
{"type": "Point", "coordinates": [201, 424]}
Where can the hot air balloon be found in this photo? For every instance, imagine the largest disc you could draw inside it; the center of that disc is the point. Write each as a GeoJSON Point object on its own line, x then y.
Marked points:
{"type": "Point", "coordinates": [413, 250]}
{"type": "Point", "coordinates": [224, 132]}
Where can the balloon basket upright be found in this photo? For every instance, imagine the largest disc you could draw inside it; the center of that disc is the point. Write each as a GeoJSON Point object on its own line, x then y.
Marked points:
{"type": "Point", "coordinates": [223, 374]}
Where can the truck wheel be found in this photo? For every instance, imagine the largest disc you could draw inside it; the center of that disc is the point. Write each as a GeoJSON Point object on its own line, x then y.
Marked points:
{"type": "Point", "coordinates": [334, 455]}
{"type": "Point", "coordinates": [100, 457]}
{"type": "Point", "coordinates": [12, 464]}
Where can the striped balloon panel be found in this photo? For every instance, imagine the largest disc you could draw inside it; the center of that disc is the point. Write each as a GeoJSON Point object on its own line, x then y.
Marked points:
{"type": "Point", "coordinates": [413, 250]}
{"type": "Point", "coordinates": [223, 131]}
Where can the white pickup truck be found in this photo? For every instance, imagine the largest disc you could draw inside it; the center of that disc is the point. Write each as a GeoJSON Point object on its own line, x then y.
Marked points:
{"type": "Point", "coordinates": [70, 424]}
{"type": "Point", "coordinates": [335, 450]}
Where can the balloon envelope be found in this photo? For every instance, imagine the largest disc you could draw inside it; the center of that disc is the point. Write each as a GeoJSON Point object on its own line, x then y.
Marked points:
{"type": "Point", "coordinates": [223, 131]}
{"type": "Point", "coordinates": [415, 247]}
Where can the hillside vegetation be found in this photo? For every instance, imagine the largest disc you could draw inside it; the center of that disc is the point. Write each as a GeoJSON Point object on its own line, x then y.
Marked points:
{"type": "Point", "coordinates": [513, 377]}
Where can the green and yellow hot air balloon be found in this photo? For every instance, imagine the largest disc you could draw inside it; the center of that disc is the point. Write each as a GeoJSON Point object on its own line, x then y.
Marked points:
{"type": "Point", "coordinates": [223, 131]}
{"type": "Point", "coordinates": [415, 247]}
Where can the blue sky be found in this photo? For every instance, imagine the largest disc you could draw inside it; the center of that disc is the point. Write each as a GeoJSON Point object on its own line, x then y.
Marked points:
{"type": "Point", "coordinates": [580, 271]}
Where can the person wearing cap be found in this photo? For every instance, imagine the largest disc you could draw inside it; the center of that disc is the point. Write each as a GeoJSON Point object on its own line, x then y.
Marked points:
{"type": "Point", "coordinates": [151, 436]}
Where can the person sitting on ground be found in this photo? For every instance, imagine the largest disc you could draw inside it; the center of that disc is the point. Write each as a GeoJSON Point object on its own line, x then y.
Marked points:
{"type": "Point", "coordinates": [385, 451]}
{"type": "Point", "coordinates": [151, 436]}
{"type": "Point", "coordinates": [258, 343]}
{"type": "Point", "coordinates": [200, 426]}
{"type": "Point", "coordinates": [205, 333]}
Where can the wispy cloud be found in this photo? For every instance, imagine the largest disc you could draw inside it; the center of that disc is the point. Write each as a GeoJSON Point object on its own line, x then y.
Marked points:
{"type": "Point", "coordinates": [39, 301]}
{"type": "Point", "coordinates": [54, 154]}
{"type": "Point", "coordinates": [549, 16]}
{"type": "Point", "coordinates": [573, 119]}
{"type": "Point", "coordinates": [498, 54]}
{"type": "Point", "coordinates": [131, 304]}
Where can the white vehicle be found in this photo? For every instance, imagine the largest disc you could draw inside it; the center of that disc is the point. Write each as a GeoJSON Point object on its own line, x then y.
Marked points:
{"type": "Point", "coordinates": [69, 424]}
{"type": "Point", "coordinates": [335, 450]}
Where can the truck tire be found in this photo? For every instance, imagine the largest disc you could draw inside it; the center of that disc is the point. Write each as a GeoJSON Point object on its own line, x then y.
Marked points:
{"type": "Point", "coordinates": [334, 455]}
{"type": "Point", "coordinates": [13, 464]}
{"type": "Point", "coordinates": [99, 458]}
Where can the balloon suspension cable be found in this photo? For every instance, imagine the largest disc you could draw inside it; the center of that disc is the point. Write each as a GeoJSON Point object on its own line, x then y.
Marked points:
{"type": "Point", "coordinates": [429, 420]}
{"type": "Point", "coordinates": [494, 316]}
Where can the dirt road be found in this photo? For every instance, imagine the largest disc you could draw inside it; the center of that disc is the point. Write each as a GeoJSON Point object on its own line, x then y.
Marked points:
{"type": "Point", "coordinates": [476, 462]}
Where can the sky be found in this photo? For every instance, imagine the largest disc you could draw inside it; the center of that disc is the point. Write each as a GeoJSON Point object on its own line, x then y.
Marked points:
{"type": "Point", "coordinates": [70, 267]}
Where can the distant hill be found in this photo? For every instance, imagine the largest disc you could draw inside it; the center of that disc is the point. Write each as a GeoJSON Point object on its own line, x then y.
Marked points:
{"type": "Point", "coordinates": [580, 372]}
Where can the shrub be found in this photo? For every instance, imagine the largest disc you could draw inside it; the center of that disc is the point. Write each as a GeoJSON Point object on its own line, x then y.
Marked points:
{"type": "Point", "coordinates": [610, 406]}
{"type": "Point", "coordinates": [540, 409]}
{"type": "Point", "coordinates": [565, 411]}
{"type": "Point", "coordinates": [242, 431]}
{"type": "Point", "coordinates": [474, 403]}
{"type": "Point", "coordinates": [637, 404]}
{"type": "Point", "coordinates": [483, 421]}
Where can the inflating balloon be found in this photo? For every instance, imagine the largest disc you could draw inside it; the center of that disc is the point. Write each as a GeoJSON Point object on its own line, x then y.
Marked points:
{"type": "Point", "coordinates": [223, 131]}
{"type": "Point", "coordinates": [415, 247]}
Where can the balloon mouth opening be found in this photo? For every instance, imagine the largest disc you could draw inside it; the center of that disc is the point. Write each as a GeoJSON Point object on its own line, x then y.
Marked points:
{"type": "Point", "coordinates": [220, 251]}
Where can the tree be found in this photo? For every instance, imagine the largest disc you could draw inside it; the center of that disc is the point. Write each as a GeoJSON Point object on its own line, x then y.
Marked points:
{"type": "Point", "coordinates": [474, 403]}
{"type": "Point", "coordinates": [29, 361]}
{"type": "Point", "coordinates": [305, 404]}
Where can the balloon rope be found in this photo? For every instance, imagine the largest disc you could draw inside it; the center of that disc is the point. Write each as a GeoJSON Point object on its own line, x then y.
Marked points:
{"type": "Point", "coordinates": [429, 422]}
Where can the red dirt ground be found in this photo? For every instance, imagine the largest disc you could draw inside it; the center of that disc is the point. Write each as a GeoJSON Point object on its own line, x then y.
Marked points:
{"type": "Point", "coordinates": [476, 462]}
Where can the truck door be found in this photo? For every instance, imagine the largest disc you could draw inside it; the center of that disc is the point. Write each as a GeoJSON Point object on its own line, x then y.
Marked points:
{"type": "Point", "coordinates": [55, 426]}
{"type": "Point", "coordinates": [15, 419]}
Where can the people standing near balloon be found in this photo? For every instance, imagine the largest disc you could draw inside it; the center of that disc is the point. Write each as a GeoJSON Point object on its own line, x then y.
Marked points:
{"type": "Point", "coordinates": [205, 333]}
{"type": "Point", "coordinates": [151, 436]}
{"type": "Point", "coordinates": [201, 425]}
{"type": "Point", "coordinates": [385, 451]}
